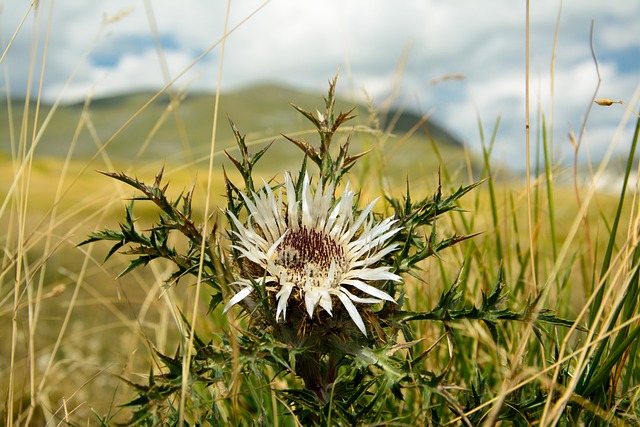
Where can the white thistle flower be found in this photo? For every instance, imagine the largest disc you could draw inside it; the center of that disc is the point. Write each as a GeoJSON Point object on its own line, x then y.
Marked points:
{"type": "Point", "coordinates": [314, 249]}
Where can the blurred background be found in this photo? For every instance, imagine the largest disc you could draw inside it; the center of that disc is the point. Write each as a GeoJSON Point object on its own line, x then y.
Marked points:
{"type": "Point", "coordinates": [129, 86]}
{"type": "Point", "coordinates": [461, 61]}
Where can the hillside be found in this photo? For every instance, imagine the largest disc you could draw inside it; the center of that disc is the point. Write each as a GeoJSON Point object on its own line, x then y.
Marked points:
{"type": "Point", "coordinates": [182, 132]}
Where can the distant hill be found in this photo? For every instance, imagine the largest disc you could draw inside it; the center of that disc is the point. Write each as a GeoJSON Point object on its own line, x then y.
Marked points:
{"type": "Point", "coordinates": [182, 131]}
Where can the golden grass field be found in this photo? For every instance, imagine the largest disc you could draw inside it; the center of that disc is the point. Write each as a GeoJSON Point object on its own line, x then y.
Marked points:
{"type": "Point", "coordinates": [72, 329]}
{"type": "Point", "coordinates": [73, 326]}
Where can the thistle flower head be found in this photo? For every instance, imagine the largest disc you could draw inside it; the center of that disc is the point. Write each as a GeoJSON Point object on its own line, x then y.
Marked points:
{"type": "Point", "coordinates": [313, 250]}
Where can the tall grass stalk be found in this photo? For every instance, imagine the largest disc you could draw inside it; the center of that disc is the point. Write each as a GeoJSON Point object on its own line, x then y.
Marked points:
{"type": "Point", "coordinates": [535, 320]}
{"type": "Point", "coordinates": [186, 362]}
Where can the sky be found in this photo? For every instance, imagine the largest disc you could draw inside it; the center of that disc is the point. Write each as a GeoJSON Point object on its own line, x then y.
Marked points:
{"type": "Point", "coordinates": [461, 61]}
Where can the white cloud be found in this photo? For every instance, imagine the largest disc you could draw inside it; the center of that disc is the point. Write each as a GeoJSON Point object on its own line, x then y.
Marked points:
{"type": "Point", "coordinates": [304, 43]}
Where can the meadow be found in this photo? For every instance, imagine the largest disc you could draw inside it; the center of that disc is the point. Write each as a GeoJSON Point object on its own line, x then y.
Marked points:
{"type": "Point", "coordinates": [74, 331]}
{"type": "Point", "coordinates": [518, 304]}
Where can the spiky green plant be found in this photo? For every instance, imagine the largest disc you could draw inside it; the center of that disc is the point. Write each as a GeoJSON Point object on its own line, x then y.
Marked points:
{"type": "Point", "coordinates": [324, 335]}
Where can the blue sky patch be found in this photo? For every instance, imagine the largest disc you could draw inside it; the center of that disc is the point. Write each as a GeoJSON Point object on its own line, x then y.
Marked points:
{"type": "Point", "coordinates": [109, 54]}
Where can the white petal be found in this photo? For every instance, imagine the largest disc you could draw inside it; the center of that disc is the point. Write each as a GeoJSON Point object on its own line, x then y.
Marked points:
{"type": "Point", "coordinates": [331, 219]}
{"type": "Point", "coordinates": [378, 273]}
{"type": "Point", "coordinates": [383, 231]}
{"type": "Point", "coordinates": [234, 219]}
{"type": "Point", "coordinates": [292, 203]}
{"type": "Point", "coordinates": [359, 299]}
{"type": "Point", "coordinates": [237, 298]}
{"type": "Point", "coordinates": [276, 207]}
{"type": "Point", "coordinates": [249, 237]}
{"type": "Point", "coordinates": [283, 296]}
{"type": "Point", "coordinates": [307, 203]}
{"type": "Point", "coordinates": [255, 256]}
{"type": "Point", "coordinates": [370, 240]}
{"type": "Point", "coordinates": [250, 204]}
{"type": "Point", "coordinates": [242, 232]}
{"type": "Point", "coordinates": [321, 205]}
{"type": "Point", "coordinates": [371, 290]}
{"type": "Point", "coordinates": [312, 295]}
{"type": "Point", "coordinates": [280, 203]}
{"type": "Point", "coordinates": [381, 238]}
{"type": "Point", "coordinates": [353, 312]}
{"type": "Point", "coordinates": [274, 247]}
{"type": "Point", "coordinates": [333, 215]}
{"type": "Point", "coordinates": [267, 217]}
{"type": "Point", "coordinates": [372, 259]}
{"type": "Point", "coordinates": [345, 214]}
{"type": "Point", "coordinates": [331, 275]}
{"type": "Point", "coordinates": [325, 302]}
{"type": "Point", "coordinates": [270, 211]}
{"type": "Point", "coordinates": [358, 222]}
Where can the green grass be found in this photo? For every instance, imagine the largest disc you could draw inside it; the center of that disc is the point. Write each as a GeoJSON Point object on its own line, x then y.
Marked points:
{"type": "Point", "coordinates": [76, 327]}
{"type": "Point", "coordinates": [71, 329]}
{"type": "Point", "coordinates": [99, 327]}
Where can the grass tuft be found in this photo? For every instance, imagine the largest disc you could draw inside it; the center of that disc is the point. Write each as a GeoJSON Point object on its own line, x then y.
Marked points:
{"type": "Point", "coordinates": [519, 302]}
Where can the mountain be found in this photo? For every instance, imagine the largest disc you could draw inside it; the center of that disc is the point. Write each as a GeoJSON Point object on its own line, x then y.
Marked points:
{"type": "Point", "coordinates": [181, 131]}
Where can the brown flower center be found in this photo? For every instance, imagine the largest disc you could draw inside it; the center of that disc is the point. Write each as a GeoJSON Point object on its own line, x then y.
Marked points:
{"type": "Point", "coordinates": [307, 254]}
